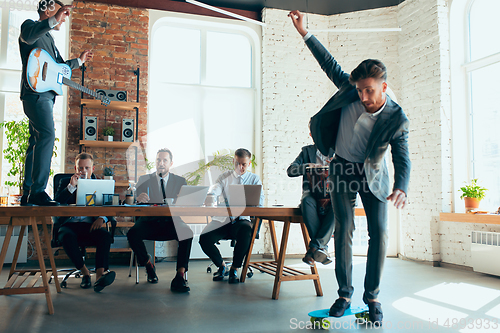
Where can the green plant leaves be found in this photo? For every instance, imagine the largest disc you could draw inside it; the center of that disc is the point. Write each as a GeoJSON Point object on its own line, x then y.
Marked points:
{"type": "Point", "coordinates": [473, 190]}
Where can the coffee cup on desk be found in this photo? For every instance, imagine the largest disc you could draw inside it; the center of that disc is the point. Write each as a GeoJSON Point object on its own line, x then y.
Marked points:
{"type": "Point", "coordinates": [211, 200]}
{"type": "Point", "coordinates": [129, 199]}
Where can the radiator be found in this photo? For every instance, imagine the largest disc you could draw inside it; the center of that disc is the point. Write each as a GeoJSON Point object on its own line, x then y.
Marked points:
{"type": "Point", "coordinates": [485, 252]}
{"type": "Point", "coordinates": [12, 244]}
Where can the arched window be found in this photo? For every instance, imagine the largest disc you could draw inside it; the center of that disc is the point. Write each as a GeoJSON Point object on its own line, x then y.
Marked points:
{"type": "Point", "coordinates": [204, 87]}
{"type": "Point", "coordinates": [475, 65]}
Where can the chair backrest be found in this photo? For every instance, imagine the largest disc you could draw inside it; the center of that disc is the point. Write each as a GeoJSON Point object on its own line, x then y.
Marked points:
{"type": "Point", "coordinates": [57, 180]}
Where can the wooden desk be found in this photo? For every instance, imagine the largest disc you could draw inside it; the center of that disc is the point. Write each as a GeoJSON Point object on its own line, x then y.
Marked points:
{"type": "Point", "coordinates": [28, 216]}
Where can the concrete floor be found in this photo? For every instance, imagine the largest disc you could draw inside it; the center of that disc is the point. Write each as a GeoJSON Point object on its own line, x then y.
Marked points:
{"type": "Point", "coordinates": [412, 293]}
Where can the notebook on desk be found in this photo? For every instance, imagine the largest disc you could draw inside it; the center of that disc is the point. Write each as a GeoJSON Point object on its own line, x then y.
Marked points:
{"type": "Point", "coordinates": [244, 195]}
{"type": "Point", "coordinates": [89, 186]}
{"type": "Point", "coordinates": [193, 196]}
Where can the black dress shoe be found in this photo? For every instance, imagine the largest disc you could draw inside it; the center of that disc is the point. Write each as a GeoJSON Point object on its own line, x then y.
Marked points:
{"type": "Point", "coordinates": [86, 283]}
{"type": "Point", "coordinates": [338, 308]}
{"type": "Point", "coordinates": [233, 277]}
{"type": "Point", "coordinates": [179, 284]}
{"type": "Point", "coordinates": [321, 256]}
{"type": "Point", "coordinates": [375, 312]}
{"type": "Point", "coordinates": [151, 272]}
{"type": "Point", "coordinates": [219, 275]}
{"type": "Point", "coordinates": [24, 199]}
{"type": "Point", "coordinates": [41, 199]}
{"type": "Point", "coordinates": [104, 281]}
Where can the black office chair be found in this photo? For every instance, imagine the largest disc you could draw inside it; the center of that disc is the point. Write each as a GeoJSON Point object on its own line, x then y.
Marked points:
{"type": "Point", "coordinates": [110, 225]}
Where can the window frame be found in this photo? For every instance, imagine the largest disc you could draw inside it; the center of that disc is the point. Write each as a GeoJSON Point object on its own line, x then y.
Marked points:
{"type": "Point", "coordinates": [461, 68]}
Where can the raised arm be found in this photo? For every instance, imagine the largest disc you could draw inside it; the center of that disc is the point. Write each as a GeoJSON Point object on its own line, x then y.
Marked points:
{"type": "Point", "coordinates": [328, 64]}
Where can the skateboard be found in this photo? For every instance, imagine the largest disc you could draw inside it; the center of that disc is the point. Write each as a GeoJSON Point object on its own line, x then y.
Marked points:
{"type": "Point", "coordinates": [319, 317]}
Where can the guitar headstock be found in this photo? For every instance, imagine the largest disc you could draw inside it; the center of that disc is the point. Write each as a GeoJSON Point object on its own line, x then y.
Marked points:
{"type": "Point", "coordinates": [104, 100]}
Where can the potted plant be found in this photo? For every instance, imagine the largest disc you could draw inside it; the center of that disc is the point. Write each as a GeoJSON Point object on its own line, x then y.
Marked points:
{"type": "Point", "coordinates": [108, 172]}
{"type": "Point", "coordinates": [17, 134]}
{"type": "Point", "coordinates": [108, 133]}
{"type": "Point", "coordinates": [472, 194]}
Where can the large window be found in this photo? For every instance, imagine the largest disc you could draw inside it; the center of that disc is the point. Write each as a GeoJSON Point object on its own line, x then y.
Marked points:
{"type": "Point", "coordinates": [483, 70]}
{"type": "Point", "coordinates": [475, 64]}
{"type": "Point", "coordinates": [10, 80]}
{"type": "Point", "coordinates": [203, 89]}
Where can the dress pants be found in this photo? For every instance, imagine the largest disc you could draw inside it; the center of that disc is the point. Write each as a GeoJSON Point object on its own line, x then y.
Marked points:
{"type": "Point", "coordinates": [39, 111]}
{"type": "Point", "coordinates": [347, 180]}
{"type": "Point", "coordinates": [319, 225]}
{"type": "Point", "coordinates": [160, 229]}
{"type": "Point", "coordinates": [240, 230]}
{"type": "Point", "coordinates": [72, 235]}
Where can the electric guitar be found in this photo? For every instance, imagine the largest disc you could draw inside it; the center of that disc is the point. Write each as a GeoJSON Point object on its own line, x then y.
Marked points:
{"type": "Point", "coordinates": [44, 73]}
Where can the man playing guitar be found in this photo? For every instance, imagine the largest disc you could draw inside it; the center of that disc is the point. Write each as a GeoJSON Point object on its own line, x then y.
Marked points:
{"type": "Point", "coordinates": [38, 107]}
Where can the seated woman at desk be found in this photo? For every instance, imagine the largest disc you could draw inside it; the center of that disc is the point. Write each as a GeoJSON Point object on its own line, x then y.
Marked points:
{"type": "Point", "coordinates": [72, 232]}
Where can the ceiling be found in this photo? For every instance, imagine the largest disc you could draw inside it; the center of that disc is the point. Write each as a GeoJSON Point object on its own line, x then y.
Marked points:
{"type": "Point", "coordinates": [253, 8]}
{"type": "Point", "coordinates": [324, 7]}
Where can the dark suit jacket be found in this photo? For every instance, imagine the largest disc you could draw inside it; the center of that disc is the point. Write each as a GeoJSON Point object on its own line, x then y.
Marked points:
{"type": "Point", "coordinates": [298, 167]}
{"type": "Point", "coordinates": [391, 128]}
{"type": "Point", "coordinates": [33, 35]}
{"type": "Point", "coordinates": [64, 197]}
{"type": "Point", "coordinates": [150, 181]}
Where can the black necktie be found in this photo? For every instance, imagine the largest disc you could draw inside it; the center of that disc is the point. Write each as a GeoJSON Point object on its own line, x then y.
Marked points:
{"type": "Point", "coordinates": [162, 184]}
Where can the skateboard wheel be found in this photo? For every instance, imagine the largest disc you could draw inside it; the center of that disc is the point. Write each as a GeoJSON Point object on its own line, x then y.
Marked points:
{"type": "Point", "coordinates": [320, 323]}
{"type": "Point", "coordinates": [250, 274]}
{"type": "Point", "coordinates": [209, 270]}
{"type": "Point", "coordinates": [63, 284]}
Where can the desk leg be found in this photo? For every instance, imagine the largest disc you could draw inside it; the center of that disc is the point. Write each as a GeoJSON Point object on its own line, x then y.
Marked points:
{"type": "Point", "coordinates": [51, 254]}
{"type": "Point", "coordinates": [18, 249]}
{"type": "Point", "coordinates": [243, 275]}
{"type": "Point", "coordinates": [274, 240]}
{"type": "Point", "coordinates": [5, 246]}
{"type": "Point", "coordinates": [281, 260]}
{"type": "Point", "coordinates": [314, 269]}
{"type": "Point", "coordinates": [42, 265]}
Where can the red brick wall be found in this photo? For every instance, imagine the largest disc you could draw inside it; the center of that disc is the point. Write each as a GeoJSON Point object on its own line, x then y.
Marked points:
{"type": "Point", "coordinates": [119, 38]}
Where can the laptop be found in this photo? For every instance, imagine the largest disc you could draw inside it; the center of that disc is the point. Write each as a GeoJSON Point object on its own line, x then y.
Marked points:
{"type": "Point", "coordinates": [89, 186]}
{"type": "Point", "coordinates": [244, 195]}
{"type": "Point", "coordinates": [191, 196]}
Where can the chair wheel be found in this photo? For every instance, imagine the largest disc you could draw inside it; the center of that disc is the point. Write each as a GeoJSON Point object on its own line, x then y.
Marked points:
{"type": "Point", "coordinates": [209, 270]}
{"type": "Point", "coordinates": [77, 275]}
{"type": "Point", "coordinates": [250, 274]}
{"type": "Point", "coordinates": [63, 284]}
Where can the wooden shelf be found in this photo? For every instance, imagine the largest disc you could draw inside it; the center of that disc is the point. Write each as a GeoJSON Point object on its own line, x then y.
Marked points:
{"type": "Point", "coordinates": [105, 144]}
{"type": "Point", "coordinates": [470, 218]}
{"type": "Point", "coordinates": [121, 183]}
{"type": "Point", "coordinates": [114, 105]}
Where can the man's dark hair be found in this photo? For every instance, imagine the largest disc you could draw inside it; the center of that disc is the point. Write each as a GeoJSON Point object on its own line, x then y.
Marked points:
{"type": "Point", "coordinates": [242, 152]}
{"type": "Point", "coordinates": [369, 68]}
{"type": "Point", "coordinates": [84, 156]}
{"type": "Point", "coordinates": [43, 5]}
{"type": "Point", "coordinates": [165, 150]}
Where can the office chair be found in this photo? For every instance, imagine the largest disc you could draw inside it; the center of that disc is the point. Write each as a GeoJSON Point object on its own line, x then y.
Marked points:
{"type": "Point", "coordinates": [55, 242]}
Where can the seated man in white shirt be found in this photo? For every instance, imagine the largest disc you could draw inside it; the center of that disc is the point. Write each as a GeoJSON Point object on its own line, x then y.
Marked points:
{"type": "Point", "coordinates": [237, 228]}
{"type": "Point", "coordinates": [70, 232]}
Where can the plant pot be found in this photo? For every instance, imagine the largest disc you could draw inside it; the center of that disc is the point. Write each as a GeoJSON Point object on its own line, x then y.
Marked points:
{"type": "Point", "coordinates": [108, 177]}
{"type": "Point", "coordinates": [15, 199]}
{"type": "Point", "coordinates": [108, 138]}
{"type": "Point", "coordinates": [471, 203]}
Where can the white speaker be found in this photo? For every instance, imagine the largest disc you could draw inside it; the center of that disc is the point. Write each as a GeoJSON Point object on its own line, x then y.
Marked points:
{"type": "Point", "coordinates": [90, 128]}
{"type": "Point", "coordinates": [113, 95]}
{"type": "Point", "coordinates": [127, 130]}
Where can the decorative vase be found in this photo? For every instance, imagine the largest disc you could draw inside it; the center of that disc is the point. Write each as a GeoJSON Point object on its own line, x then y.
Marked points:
{"type": "Point", "coordinates": [108, 138]}
{"type": "Point", "coordinates": [471, 203]}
